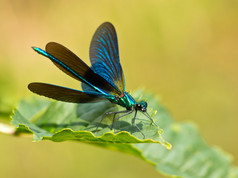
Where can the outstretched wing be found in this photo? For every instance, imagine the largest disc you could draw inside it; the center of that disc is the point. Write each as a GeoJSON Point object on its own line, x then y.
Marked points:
{"type": "Point", "coordinates": [72, 65]}
{"type": "Point", "coordinates": [104, 56]}
{"type": "Point", "coordinates": [64, 94]}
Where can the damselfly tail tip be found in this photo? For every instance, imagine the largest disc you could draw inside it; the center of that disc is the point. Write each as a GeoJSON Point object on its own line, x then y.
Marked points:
{"type": "Point", "coordinates": [33, 47]}
{"type": "Point", "coordinates": [37, 49]}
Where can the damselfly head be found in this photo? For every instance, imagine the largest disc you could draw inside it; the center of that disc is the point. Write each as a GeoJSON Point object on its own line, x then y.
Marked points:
{"type": "Point", "coordinates": [142, 106]}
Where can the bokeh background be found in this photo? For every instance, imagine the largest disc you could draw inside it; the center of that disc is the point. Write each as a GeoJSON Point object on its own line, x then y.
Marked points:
{"type": "Point", "coordinates": [183, 51]}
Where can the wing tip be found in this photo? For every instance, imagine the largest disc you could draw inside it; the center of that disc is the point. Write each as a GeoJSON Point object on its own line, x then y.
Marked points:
{"type": "Point", "coordinates": [31, 86]}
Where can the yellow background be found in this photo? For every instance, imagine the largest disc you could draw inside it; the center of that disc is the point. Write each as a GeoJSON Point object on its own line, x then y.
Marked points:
{"type": "Point", "coordinates": [183, 51]}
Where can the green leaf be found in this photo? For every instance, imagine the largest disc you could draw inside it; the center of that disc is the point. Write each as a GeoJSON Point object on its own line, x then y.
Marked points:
{"type": "Point", "coordinates": [60, 121]}
{"type": "Point", "coordinates": [190, 157]}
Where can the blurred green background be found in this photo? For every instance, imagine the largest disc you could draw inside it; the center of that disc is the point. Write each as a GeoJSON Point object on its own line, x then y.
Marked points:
{"type": "Point", "coordinates": [183, 51]}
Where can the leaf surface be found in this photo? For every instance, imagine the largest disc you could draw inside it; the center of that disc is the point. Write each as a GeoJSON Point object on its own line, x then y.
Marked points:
{"type": "Point", "coordinates": [190, 156]}
{"type": "Point", "coordinates": [60, 121]}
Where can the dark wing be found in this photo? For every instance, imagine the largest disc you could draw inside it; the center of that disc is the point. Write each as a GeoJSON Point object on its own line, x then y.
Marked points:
{"type": "Point", "coordinates": [72, 65]}
{"type": "Point", "coordinates": [63, 93]}
{"type": "Point", "coordinates": [104, 55]}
